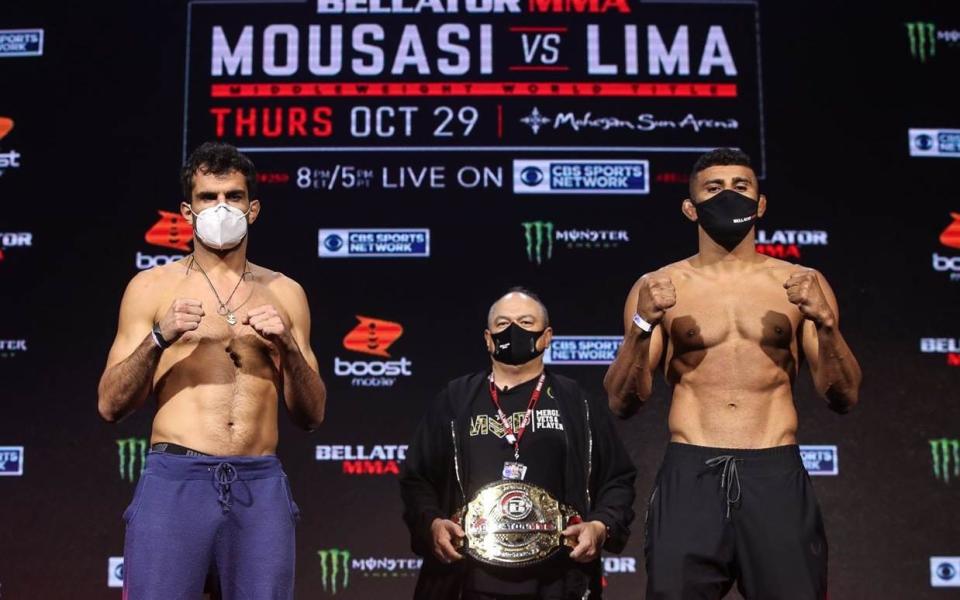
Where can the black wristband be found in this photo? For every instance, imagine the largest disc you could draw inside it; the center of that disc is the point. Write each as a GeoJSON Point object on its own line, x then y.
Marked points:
{"type": "Point", "coordinates": [158, 338]}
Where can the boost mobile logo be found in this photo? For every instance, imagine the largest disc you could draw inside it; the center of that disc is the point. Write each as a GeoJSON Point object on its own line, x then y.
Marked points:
{"type": "Point", "coordinates": [334, 563]}
{"type": "Point", "coordinates": [372, 336]}
{"type": "Point", "coordinates": [923, 40]}
{"type": "Point", "coordinates": [6, 124]}
{"type": "Point", "coordinates": [944, 452]}
{"type": "Point", "coordinates": [950, 237]}
{"type": "Point", "coordinates": [170, 231]}
{"type": "Point", "coordinates": [130, 451]}
{"type": "Point", "coordinates": [535, 232]}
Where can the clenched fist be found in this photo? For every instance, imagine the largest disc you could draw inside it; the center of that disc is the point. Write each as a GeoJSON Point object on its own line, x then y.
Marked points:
{"type": "Point", "coordinates": [184, 315]}
{"type": "Point", "coordinates": [266, 321]}
{"type": "Point", "coordinates": [657, 295]}
{"type": "Point", "coordinates": [445, 535]}
{"type": "Point", "coordinates": [803, 290]}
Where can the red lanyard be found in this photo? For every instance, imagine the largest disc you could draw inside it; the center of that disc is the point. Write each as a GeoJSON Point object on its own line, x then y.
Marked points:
{"type": "Point", "coordinates": [514, 438]}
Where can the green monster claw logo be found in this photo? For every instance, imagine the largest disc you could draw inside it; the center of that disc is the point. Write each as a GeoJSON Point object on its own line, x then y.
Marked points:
{"type": "Point", "coordinates": [334, 562]}
{"type": "Point", "coordinates": [535, 233]}
{"type": "Point", "coordinates": [946, 458]}
{"type": "Point", "coordinates": [131, 451]}
{"type": "Point", "coordinates": [923, 40]}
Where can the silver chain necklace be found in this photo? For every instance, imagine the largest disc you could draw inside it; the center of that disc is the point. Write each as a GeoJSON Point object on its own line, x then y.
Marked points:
{"type": "Point", "coordinates": [224, 310]}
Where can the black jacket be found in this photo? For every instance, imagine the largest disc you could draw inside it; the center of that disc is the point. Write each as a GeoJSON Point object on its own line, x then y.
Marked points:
{"type": "Point", "coordinates": [598, 480]}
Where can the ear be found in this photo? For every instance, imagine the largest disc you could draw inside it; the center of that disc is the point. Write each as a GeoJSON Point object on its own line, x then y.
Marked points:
{"type": "Point", "coordinates": [489, 340]}
{"type": "Point", "coordinates": [254, 211]}
{"type": "Point", "coordinates": [546, 338]}
{"type": "Point", "coordinates": [186, 212]}
{"type": "Point", "coordinates": [689, 210]}
{"type": "Point", "coordinates": [762, 206]}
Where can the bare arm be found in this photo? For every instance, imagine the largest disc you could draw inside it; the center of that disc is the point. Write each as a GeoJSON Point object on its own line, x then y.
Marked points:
{"type": "Point", "coordinates": [836, 373]}
{"type": "Point", "coordinates": [629, 380]}
{"type": "Point", "coordinates": [133, 358]}
{"type": "Point", "coordinates": [304, 392]}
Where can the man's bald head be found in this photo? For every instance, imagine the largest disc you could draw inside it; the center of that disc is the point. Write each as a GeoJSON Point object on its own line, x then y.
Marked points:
{"type": "Point", "coordinates": [518, 305]}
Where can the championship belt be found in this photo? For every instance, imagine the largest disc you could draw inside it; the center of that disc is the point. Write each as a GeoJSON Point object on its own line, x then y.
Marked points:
{"type": "Point", "coordinates": [514, 524]}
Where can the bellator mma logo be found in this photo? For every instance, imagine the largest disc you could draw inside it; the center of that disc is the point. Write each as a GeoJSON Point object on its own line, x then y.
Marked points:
{"type": "Point", "coordinates": [786, 243]}
{"type": "Point", "coordinates": [381, 459]}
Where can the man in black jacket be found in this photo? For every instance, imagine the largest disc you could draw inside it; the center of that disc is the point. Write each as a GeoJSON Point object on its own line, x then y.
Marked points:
{"type": "Point", "coordinates": [473, 435]}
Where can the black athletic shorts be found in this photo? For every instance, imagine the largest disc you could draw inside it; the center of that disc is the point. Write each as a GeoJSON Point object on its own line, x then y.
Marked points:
{"type": "Point", "coordinates": [718, 515]}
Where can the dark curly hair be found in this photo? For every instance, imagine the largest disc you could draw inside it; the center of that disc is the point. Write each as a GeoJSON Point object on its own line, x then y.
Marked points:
{"type": "Point", "coordinates": [719, 157]}
{"type": "Point", "coordinates": [217, 158]}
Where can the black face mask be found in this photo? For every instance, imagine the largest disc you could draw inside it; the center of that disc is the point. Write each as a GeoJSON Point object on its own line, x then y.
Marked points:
{"type": "Point", "coordinates": [727, 217]}
{"type": "Point", "coordinates": [515, 345]}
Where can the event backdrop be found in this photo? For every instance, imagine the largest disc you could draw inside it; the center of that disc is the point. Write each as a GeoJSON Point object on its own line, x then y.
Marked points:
{"type": "Point", "coordinates": [417, 158]}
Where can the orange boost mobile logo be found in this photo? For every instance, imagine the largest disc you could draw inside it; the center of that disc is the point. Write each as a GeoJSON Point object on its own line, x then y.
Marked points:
{"type": "Point", "coordinates": [951, 235]}
{"type": "Point", "coordinates": [5, 126]}
{"type": "Point", "coordinates": [372, 336]}
{"type": "Point", "coordinates": [171, 231]}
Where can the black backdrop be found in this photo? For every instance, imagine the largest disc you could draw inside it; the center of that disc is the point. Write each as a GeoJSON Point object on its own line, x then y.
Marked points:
{"type": "Point", "coordinates": [99, 135]}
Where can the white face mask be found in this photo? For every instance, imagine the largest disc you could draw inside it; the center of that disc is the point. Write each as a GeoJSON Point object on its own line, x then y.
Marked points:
{"type": "Point", "coordinates": [221, 226]}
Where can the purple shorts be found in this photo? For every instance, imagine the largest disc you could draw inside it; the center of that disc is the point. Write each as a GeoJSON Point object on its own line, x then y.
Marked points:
{"type": "Point", "coordinates": [229, 519]}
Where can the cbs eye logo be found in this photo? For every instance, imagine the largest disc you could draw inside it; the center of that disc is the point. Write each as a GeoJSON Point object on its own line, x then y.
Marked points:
{"type": "Point", "coordinates": [531, 176]}
{"type": "Point", "coordinates": [946, 571]}
{"type": "Point", "coordinates": [333, 243]}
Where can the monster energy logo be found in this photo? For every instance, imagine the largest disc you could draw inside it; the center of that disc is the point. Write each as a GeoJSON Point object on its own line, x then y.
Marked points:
{"type": "Point", "coordinates": [923, 40]}
{"type": "Point", "coordinates": [131, 450]}
{"type": "Point", "coordinates": [334, 563]}
{"type": "Point", "coordinates": [535, 233]}
{"type": "Point", "coordinates": [946, 458]}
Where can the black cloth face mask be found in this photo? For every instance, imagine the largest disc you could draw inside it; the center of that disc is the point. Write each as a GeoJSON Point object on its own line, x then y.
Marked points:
{"type": "Point", "coordinates": [515, 345]}
{"type": "Point", "coordinates": [727, 217]}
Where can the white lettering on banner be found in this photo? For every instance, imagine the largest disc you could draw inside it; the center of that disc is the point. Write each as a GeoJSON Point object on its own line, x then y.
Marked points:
{"type": "Point", "coordinates": [416, 6]}
{"type": "Point", "coordinates": [147, 261]}
{"type": "Point", "coordinates": [16, 240]}
{"type": "Point", "coordinates": [366, 41]}
{"type": "Point", "coordinates": [939, 345]}
{"type": "Point", "coordinates": [946, 263]}
{"type": "Point", "coordinates": [716, 53]}
{"type": "Point", "coordinates": [372, 367]}
{"type": "Point", "coordinates": [619, 564]}
{"type": "Point", "coordinates": [790, 236]}
{"type": "Point", "coordinates": [592, 235]}
{"type": "Point", "coordinates": [10, 159]}
{"type": "Point", "coordinates": [379, 452]}
{"type": "Point", "coordinates": [386, 564]}
{"type": "Point", "coordinates": [234, 53]}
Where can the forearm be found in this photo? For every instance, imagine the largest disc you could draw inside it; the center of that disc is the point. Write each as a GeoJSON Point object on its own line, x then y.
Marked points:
{"type": "Point", "coordinates": [303, 390]}
{"type": "Point", "coordinates": [124, 386]}
{"type": "Point", "coordinates": [629, 380]}
{"type": "Point", "coordinates": [838, 374]}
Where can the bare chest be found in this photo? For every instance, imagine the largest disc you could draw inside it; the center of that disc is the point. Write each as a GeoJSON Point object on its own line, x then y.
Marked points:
{"type": "Point", "coordinates": [712, 312]}
{"type": "Point", "coordinates": [223, 322]}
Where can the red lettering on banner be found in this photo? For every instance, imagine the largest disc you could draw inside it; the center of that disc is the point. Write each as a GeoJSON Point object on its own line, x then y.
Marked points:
{"type": "Point", "coordinates": [512, 88]}
{"type": "Point", "coordinates": [272, 122]}
{"type": "Point", "coordinates": [779, 250]}
{"type": "Point", "coordinates": [577, 6]}
{"type": "Point", "coordinates": [371, 467]}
